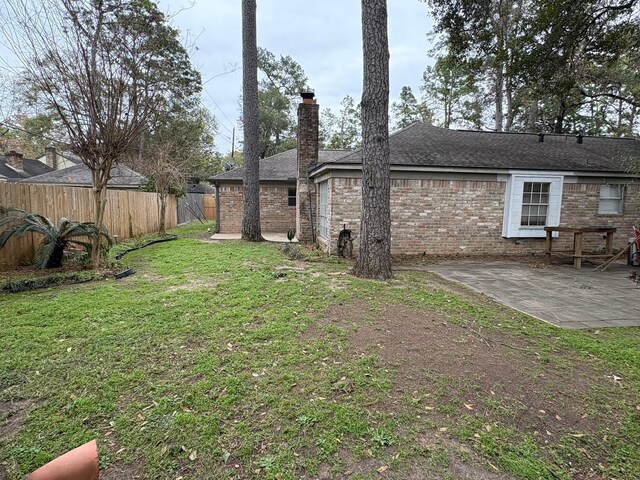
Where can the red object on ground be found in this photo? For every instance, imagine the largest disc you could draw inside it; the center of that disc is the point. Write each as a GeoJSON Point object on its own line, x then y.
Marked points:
{"type": "Point", "coordinates": [79, 464]}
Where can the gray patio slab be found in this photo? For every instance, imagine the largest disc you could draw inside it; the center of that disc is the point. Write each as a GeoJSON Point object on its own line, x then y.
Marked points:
{"type": "Point", "coordinates": [275, 237]}
{"type": "Point", "coordinates": [559, 295]}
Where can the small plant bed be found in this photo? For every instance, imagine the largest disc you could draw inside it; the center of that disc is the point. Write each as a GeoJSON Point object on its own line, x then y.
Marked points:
{"type": "Point", "coordinates": [45, 279]}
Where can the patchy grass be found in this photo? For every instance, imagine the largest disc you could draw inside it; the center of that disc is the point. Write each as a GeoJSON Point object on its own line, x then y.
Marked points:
{"type": "Point", "coordinates": [232, 360]}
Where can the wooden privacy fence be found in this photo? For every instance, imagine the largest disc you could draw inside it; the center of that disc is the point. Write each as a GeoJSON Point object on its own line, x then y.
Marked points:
{"type": "Point", "coordinates": [128, 213]}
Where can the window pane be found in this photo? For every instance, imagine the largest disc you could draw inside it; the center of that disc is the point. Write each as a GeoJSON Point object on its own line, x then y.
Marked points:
{"type": "Point", "coordinates": [611, 199]}
{"type": "Point", "coordinates": [535, 204]}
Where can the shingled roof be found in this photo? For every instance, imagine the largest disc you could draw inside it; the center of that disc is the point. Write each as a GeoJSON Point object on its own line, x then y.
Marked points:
{"type": "Point", "coordinates": [80, 175]}
{"type": "Point", "coordinates": [30, 169]}
{"type": "Point", "coordinates": [281, 167]}
{"type": "Point", "coordinates": [424, 145]}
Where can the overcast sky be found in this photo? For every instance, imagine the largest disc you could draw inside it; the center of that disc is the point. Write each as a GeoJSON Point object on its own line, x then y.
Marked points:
{"type": "Point", "coordinates": [323, 37]}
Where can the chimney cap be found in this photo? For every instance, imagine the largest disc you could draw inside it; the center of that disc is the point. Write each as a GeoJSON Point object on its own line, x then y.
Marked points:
{"type": "Point", "coordinates": [541, 137]}
{"type": "Point", "coordinates": [307, 94]}
{"type": "Point", "coordinates": [579, 138]}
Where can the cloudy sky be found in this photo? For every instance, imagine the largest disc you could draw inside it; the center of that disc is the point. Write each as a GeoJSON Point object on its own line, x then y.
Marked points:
{"type": "Point", "coordinates": [323, 37]}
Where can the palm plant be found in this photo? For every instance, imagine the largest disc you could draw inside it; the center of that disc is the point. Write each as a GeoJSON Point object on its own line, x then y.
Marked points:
{"type": "Point", "coordinates": [55, 238]}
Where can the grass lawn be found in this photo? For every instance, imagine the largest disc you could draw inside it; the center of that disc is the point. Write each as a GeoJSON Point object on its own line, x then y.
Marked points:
{"type": "Point", "coordinates": [232, 360]}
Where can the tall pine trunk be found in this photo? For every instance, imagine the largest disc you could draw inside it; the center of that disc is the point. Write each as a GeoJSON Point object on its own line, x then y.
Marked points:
{"type": "Point", "coordinates": [251, 180]}
{"type": "Point", "coordinates": [374, 260]}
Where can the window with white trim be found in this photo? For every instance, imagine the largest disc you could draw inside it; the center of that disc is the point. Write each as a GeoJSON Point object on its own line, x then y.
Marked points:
{"type": "Point", "coordinates": [535, 204]}
{"type": "Point", "coordinates": [611, 197]}
{"type": "Point", "coordinates": [532, 202]}
{"type": "Point", "coordinates": [322, 215]}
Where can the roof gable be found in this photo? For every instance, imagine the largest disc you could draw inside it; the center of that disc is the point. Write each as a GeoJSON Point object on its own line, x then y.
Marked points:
{"type": "Point", "coordinates": [281, 167]}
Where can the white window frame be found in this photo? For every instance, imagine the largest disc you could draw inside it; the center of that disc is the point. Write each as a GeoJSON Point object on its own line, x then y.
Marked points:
{"type": "Point", "coordinates": [323, 201]}
{"type": "Point", "coordinates": [511, 227]}
{"type": "Point", "coordinates": [609, 197]}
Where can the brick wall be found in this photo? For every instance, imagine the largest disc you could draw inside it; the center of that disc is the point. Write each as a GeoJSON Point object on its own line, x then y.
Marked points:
{"type": "Point", "coordinates": [275, 213]}
{"type": "Point", "coordinates": [452, 217]}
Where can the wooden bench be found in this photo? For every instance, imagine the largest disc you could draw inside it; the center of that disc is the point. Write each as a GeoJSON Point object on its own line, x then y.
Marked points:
{"type": "Point", "coordinates": [577, 242]}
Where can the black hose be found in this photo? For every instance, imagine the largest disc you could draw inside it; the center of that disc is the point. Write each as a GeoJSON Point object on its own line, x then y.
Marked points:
{"type": "Point", "coordinates": [146, 244]}
{"type": "Point", "coordinates": [124, 273]}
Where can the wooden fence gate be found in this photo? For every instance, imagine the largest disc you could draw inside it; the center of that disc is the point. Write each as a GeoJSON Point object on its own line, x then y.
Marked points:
{"type": "Point", "coordinates": [196, 206]}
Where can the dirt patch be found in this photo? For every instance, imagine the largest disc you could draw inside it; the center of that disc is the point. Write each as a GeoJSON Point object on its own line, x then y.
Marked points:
{"type": "Point", "coordinates": [121, 471]}
{"type": "Point", "coordinates": [12, 416]}
{"type": "Point", "coordinates": [191, 285]}
{"type": "Point", "coordinates": [451, 370]}
{"type": "Point", "coordinates": [441, 458]}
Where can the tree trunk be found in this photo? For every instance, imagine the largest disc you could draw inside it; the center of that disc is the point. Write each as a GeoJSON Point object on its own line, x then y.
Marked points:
{"type": "Point", "coordinates": [99, 201]}
{"type": "Point", "coordinates": [499, 84]}
{"type": "Point", "coordinates": [533, 115]}
{"type": "Point", "coordinates": [374, 260]}
{"type": "Point", "coordinates": [559, 122]}
{"type": "Point", "coordinates": [162, 198]}
{"type": "Point", "coordinates": [55, 260]}
{"type": "Point", "coordinates": [510, 112]}
{"type": "Point", "coordinates": [251, 180]}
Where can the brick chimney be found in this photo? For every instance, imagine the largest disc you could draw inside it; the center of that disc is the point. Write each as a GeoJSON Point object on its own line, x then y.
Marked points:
{"type": "Point", "coordinates": [52, 157]}
{"type": "Point", "coordinates": [15, 160]}
{"type": "Point", "coordinates": [308, 115]}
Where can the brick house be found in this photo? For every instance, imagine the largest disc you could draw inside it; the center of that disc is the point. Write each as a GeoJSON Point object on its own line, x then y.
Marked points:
{"type": "Point", "coordinates": [468, 192]}
{"type": "Point", "coordinates": [278, 193]}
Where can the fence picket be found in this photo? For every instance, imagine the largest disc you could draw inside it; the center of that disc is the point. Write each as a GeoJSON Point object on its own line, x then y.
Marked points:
{"type": "Point", "coordinates": [124, 208]}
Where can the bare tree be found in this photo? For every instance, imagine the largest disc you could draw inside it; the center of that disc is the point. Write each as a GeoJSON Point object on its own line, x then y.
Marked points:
{"type": "Point", "coordinates": [164, 174]}
{"type": "Point", "coordinates": [106, 67]}
{"type": "Point", "coordinates": [8, 109]}
{"type": "Point", "coordinates": [374, 260]}
{"type": "Point", "coordinates": [179, 149]}
{"type": "Point", "coordinates": [251, 180]}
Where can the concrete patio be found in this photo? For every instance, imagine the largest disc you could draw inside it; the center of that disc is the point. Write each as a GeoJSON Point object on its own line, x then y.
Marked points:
{"type": "Point", "coordinates": [557, 294]}
{"type": "Point", "coordinates": [276, 237]}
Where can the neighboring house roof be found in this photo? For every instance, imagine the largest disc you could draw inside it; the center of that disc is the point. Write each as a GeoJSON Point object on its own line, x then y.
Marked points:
{"type": "Point", "coordinates": [64, 158]}
{"type": "Point", "coordinates": [30, 169]}
{"type": "Point", "coordinates": [80, 175]}
{"type": "Point", "coordinates": [280, 167]}
{"type": "Point", "coordinates": [199, 188]}
{"type": "Point", "coordinates": [424, 145]}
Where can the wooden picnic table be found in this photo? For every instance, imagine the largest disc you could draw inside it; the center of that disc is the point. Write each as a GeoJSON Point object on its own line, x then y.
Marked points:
{"type": "Point", "coordinates": [577, 241]}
